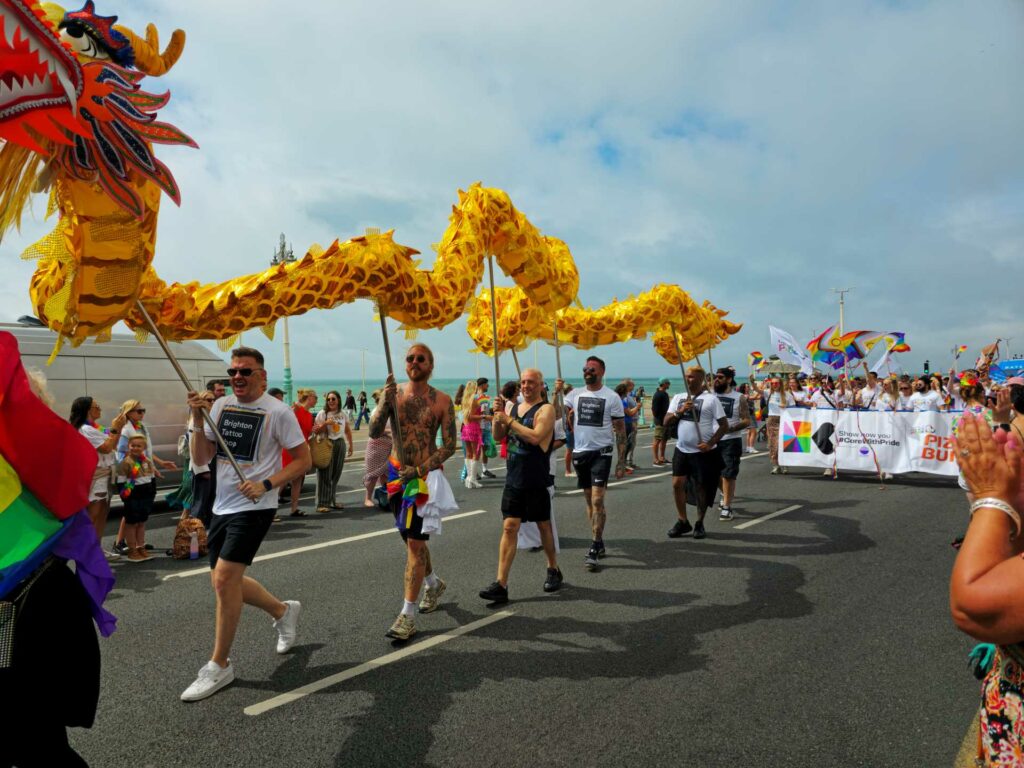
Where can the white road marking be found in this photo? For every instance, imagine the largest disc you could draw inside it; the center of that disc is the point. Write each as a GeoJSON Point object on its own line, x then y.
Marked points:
{"type": "Point", "coordinates": [321, 545]}
{"type": "Point", "coordinates": [620, 482]}
{"type": "Point", "coordinates": [761, 519]}
{"type": "Point", "coordinates": [369, 666]}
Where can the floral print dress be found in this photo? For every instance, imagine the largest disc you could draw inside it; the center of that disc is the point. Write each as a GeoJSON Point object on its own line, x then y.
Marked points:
{"type": "Point", "coordinates": [1002, 716]}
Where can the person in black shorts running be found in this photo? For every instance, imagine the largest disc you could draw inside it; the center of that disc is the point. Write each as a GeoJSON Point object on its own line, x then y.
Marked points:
{"type": "Point", "coordinates": [256, 427]}
{"type": "Point", "coordinates": [530, 430]}
{"type": "Point", "coordinates": [598, 424]}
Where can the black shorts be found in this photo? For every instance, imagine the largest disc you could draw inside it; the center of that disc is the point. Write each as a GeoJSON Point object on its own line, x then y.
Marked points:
{"type": "Point", "coordinates": [139, 503]}
{"type": "Point", "coordinates": [700, 465]}
{"type": "Point", "coordinates": [237, 536]}
{"type": "Point", "coordinates": [414, 523]}
{"type": "Point", "coordinates": [592, 467]}
{"type": "Point", "coordinates": [702, 472]}
{"type": "Point", "coordinates": [732, 452]}
{"type": "Point", "coordinates": [531, 505]}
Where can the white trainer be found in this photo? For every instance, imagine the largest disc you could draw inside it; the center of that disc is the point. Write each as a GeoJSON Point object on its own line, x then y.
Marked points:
{"type": "Point", "coordinates": [432, 596]}
{"type": "Point", "coordinates": [212, 677]}
{"type": "Point", "coordinates": [287, 626]}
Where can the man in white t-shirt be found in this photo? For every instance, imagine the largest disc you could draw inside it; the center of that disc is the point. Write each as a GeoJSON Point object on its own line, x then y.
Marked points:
{"type": "Point", "coordinates": [925, 399]}
{"type": "Point", "coordinates": [734, 404]}
{"type": "Point", "coordinates": [255, 427]}
{"type": "Point", "coordinates": [702, 422]}
{"type": "Point", "coordinates": [598, 425]}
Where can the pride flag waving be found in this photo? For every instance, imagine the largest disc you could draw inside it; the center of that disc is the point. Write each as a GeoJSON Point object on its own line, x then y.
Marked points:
{"type": "Point", "coordinates": [756, 360]}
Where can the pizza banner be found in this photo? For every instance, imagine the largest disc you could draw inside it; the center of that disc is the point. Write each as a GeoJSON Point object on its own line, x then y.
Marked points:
{"type": "Point", "coordinates": [890, 441]}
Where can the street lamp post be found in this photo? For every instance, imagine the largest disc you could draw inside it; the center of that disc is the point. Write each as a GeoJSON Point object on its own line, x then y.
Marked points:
{"type": "Point", "coordinates": [842, 296]}
{"type": "Point", "coordinates": [285, 255]}
{"type": "Point", "coordinates": [363, 352]}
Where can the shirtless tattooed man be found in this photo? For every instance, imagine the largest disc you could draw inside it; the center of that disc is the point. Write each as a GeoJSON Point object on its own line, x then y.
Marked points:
{"type": "Point", "coordinates": [422, 411]}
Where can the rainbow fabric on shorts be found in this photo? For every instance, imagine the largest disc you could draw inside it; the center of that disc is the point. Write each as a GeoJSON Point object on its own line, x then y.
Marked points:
{"type": "Point", "coordinates": [414, 494]}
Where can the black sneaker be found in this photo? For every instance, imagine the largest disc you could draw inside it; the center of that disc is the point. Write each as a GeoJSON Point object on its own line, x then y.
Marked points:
{"type": "Point", "coordinates": [495, 593]}
{"type": "Point", "coordinates": [553, 581]}
{"type": "Point", "coordinates": [119, 548]}
{"type": "Point", "coordinates": [681, 528]}
{"type": "Point", "coordinates": [488, 473]}
{"type": "Point", "coordinates": [698, 531]}
{"type": "Point", "coordinates": [599, 546]}
{"type": "Point", "coordinates": [590, 561]}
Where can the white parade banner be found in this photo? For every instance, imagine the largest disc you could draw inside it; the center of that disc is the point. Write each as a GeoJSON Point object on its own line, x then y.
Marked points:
{"type": "Point", "coordinates": [900, 441]}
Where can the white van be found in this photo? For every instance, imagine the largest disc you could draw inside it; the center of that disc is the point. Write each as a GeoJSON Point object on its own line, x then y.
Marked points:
{"type": "Point", "coordinates": [119, 370]}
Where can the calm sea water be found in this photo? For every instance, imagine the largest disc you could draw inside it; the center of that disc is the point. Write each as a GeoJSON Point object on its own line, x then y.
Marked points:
{"type": "Point", "coordinates": [445, 385]}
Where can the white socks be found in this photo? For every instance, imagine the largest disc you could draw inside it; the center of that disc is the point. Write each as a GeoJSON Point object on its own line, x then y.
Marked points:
{"type": "Point", "coordinates": [409, 608]}
{"type": "Point", "coordinates": [431, 580]}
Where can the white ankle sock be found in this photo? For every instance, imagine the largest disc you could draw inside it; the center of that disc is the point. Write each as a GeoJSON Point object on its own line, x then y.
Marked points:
{"type": "Point", "coordinates": [409, 608]}
{"type": "Point", "coordinates": [431, 580]}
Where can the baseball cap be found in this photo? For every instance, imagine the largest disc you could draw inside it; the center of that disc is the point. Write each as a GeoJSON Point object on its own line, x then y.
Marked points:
{"type": "Point", "coordinates": [663, 380]}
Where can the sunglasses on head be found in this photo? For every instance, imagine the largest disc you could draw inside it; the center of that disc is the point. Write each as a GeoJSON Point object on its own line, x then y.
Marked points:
{"type": "Point", "coordinates": [415, 358]}
{"type": "Point", "coordinates": [246, 372]}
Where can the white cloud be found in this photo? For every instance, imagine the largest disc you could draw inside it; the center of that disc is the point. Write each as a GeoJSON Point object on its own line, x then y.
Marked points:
{"type": "Point", "coordinates": [757, 154]}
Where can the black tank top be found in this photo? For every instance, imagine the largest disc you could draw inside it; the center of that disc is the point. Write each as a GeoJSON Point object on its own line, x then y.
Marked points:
{"type": "Point", "coordinates": [528, 465]}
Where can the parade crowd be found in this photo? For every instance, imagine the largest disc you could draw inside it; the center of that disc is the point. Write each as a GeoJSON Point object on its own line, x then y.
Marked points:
{"type": "Point", "coordinates": [414, 429]}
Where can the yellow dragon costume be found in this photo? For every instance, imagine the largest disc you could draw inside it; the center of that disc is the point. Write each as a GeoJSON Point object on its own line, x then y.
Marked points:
{"type": "Point", "coordinates": [75, 121]}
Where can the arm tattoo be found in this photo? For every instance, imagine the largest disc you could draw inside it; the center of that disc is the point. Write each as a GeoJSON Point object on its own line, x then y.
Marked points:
{"type": "Point", "coordinates": [448, 440]}
{"type": "Point", "coordinates": [379, 418]}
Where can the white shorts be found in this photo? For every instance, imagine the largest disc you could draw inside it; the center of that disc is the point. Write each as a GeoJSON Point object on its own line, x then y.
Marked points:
{"type": "Point", "coordinates": [100, 489]}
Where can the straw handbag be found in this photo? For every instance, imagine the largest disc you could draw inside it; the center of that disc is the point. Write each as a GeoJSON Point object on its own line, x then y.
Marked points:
{"type": "Point", "coordinates": [320, 448]}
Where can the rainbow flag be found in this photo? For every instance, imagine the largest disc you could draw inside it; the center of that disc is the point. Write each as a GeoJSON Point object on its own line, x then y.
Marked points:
{"type": "Point", "coordinates": [960, 349]}
{"type": "Point", "coordinates": [46, 469]}
{"type": "Point", "coordinates": [756, 360]}
{"type": "Point", "coordinates": [414, 494]}
{"type": "Point", "coordinates": [894, 341]}
{"type": "Point", "coordinates": [821, 351]}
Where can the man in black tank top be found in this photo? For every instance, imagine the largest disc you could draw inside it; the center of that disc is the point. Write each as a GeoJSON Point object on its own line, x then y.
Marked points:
{"type": "Point", "coordinates": [530, 431]}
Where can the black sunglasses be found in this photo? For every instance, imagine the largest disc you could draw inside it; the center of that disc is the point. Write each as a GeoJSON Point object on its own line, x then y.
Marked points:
{"type": "Point", "coordinates": [246, 372]}
{"type": "Point", "coordinates": [415, 358]}
{"type": "Point", "coordinates": [590, 370]}
{"type": "Point", "coordinates": [139, 410]}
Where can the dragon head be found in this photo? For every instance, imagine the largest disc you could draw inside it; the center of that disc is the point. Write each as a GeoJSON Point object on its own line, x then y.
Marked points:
{"type": "Point", "coordinates": [70, 97]}
{"type": "Point", "coordinates": [40, 78]}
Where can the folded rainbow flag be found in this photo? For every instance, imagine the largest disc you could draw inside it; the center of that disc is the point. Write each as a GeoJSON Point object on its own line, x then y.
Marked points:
{"type": "Point", "coordinates": [755, 360]}
{"type": "Point", "coordinates": [46, 469]}
{"type": "Point", "coordinates": [414, 494]}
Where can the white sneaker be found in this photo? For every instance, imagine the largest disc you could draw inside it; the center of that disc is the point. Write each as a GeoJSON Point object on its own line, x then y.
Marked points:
{"type": "Point", "coordinates": [432, 596]}
{"type": "Point", "coordinates": [287, 626]}
{"type": "Point", "coordinates": [212, 677]}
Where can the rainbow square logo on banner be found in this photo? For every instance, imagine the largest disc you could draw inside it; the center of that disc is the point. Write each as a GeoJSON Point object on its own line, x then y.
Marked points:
{"type": "Point", "coordinates": [796, 437]}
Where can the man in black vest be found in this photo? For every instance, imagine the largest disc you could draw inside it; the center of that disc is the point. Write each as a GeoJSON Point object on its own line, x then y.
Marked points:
{"type": "Point", "coordinates": [530, 430]}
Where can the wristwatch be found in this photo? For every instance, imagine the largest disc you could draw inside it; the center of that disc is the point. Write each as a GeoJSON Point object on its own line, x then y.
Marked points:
{"type": "Point", "coordinates": [267, 485]}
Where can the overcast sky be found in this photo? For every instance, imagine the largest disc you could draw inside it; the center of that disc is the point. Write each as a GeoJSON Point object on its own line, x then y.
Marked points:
{"type": "Point", "coordinates": [756, 153]}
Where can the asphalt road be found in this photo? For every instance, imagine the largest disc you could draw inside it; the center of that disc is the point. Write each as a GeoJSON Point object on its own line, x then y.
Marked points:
{"type": "Point", "coordinates": [817, 637]}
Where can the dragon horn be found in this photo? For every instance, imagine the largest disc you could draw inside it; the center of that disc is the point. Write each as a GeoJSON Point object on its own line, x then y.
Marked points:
{"type": "Point", "coordinates": [148, 58]}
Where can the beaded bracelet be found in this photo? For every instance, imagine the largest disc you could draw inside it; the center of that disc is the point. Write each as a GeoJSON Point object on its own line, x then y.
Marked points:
{"type": "Point", "coordinates": [1002, 506]}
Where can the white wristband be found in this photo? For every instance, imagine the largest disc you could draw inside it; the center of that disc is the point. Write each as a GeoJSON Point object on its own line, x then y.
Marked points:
{"type": "Point", "coordinates": [1002, 506]}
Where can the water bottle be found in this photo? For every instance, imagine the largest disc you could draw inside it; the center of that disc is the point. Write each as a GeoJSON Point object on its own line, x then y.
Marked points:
{"type": "Point", "coordinates": [193, 546]}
